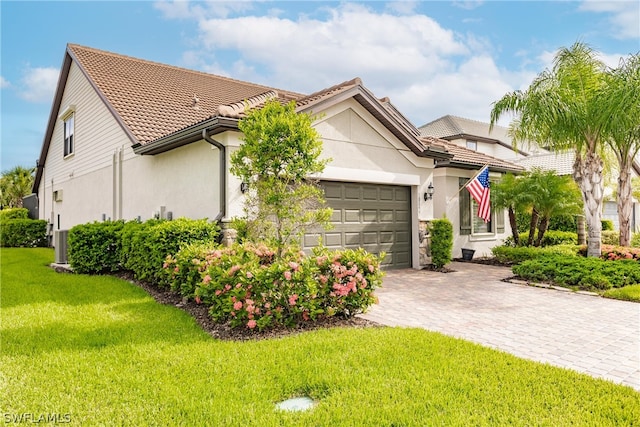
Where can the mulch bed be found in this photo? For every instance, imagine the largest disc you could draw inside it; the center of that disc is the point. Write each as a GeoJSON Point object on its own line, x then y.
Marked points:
{"type": "Point", "coordinates": [200, 313]}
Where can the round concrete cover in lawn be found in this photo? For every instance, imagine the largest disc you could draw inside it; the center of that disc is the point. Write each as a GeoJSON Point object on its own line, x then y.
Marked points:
{"type": "Point", "coordinates": [296, 404]}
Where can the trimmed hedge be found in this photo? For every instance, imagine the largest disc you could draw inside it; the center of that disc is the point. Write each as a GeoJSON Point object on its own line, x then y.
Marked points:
{"type": "Point", "coordinates": [582, 273]}
{"type": "Point", "coordinates": [23, 233]}
{"type": "Point", "coordinates": [550, 238]}
{"type": "Point", "coordinates": [610, 237]}
{"type": "Point", "coordinates": [146, 245]}
{"type": "Point", "coordinates": [441, 242]}
{"type": "Point", "coordinates": [607, 225]}
{"type": "Point", "coordinates": [14, 213]}
{"type": "Point", "coordinates": [511, 255]}
{"type": "Point", "coordinates": [96, 247]}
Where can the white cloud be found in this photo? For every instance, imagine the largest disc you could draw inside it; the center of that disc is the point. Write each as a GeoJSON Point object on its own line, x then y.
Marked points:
{"type": "Point", "coordinates": [402, 7]}
{"type": "Point", "coordinates": [311, 53]}
{"type": "Point", "coordinates": [469, 4]}
{"type": "Point", "coordinates": [39, 84]}
{"type": "Point", "coordinates": [185, 9]}
{"type": "Point", "coordinates": [4, 83]}
{"type": "Point", "coordinates": [623, 17]}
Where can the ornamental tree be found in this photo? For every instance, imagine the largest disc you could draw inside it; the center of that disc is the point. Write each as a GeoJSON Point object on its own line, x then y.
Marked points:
{"type": "Point", "coordinates": [278, 158]}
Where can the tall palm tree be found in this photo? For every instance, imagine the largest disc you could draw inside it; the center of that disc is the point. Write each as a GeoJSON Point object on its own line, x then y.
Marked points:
{"type": "Point", "coordinates": [560, 109]}
{"type": "Point", "coordinates": [620, 110]}
{"type": "Point", "coordinates": [14, 185]}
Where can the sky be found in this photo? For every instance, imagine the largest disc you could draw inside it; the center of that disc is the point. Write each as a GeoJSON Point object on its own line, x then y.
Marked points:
{"type": "Point", "coordinates": [431, 58]}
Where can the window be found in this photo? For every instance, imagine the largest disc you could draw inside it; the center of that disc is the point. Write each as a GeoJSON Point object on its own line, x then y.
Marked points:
{"type": "Point", "coordinates": [68, 135]}
{"type": "Point", "coordinates": [472, 145]}
{"type": "Point", "coordinates": [469, 221]}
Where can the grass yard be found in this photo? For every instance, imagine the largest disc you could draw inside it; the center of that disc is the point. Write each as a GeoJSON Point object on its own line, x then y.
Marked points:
{"type": "Point", "coordinates": [100, 351]}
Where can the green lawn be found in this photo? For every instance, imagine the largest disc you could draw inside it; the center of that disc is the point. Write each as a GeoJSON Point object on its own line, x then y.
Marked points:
{"type": "Point", "coordinates": [102, 351]}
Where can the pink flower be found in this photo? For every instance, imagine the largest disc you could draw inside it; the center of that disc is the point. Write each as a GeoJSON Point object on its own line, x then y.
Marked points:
{"type": "Point", "coordinates": [294, 266]}
{"type": "Point", "coordinates": [323, 279]}
{"type": "Point", "coordinates": [239, 285]}
{"type": "Point", "coordinates": [251, 324]}
{"type": "Point", "coordinates": [175, 270]}
{"type": "Point", "coordinates": [292, 299]}
{"type": "Point", "coordinates": [165, 265]}
{"type": "Point", "coordinates": [233, 270]}
{"type": "Point", "coordinates": [218, 292]}
{"type": "Point", "coordinates": [227, 287]}
{"type": "Point", "coordinates": [237, 305]}
{"type": "Point", "coordinates": [287, 275]}
{"type": "Point", "coordinates": [198, 300]}
{"type": "Point", "coordinates": [305, 315]}
{"type": "Point", "coordinates": [371, 268]}
{"type": "Point", "coordinates": [249, 275]}
{"type": "Point", "coordinates": [206, 279]}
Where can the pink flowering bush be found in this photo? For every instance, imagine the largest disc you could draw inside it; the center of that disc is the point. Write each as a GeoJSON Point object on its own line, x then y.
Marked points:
{"type": "Point", "coordinates": [248, 286]}
{"type": "Point", "coordinates": [614, 253]}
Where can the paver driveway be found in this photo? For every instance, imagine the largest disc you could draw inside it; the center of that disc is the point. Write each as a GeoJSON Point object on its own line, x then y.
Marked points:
{"type": "Point", "coordinates": [589, 334]}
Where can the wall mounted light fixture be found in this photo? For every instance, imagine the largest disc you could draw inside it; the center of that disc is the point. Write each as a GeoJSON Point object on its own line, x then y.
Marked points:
{"type": "Point", "coordinates": [244, 187]}
{"type": "Point", "coordinates": [428, 195]}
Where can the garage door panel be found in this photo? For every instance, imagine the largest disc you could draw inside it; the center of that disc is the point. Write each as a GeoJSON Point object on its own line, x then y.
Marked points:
{"type": "Point", "coordinates": [374, 217]}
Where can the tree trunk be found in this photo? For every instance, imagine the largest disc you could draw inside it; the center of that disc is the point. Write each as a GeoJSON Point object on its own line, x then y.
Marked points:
{"type": "Point", "coordinates": [514, 226]}
{"type": "Point", "coordinates": [532, 226]}
{"type": "Point", "coordinates": [587, 172]}
{"type": "Point", "coordinates": [625, 204]}
{"type": "Point", "coordinates": [582, 239]}
{"type": "Point", "coordinates": [542, 228]}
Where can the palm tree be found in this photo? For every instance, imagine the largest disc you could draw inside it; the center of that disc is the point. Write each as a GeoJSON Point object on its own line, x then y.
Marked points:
{"type": "Point", "coordinates": [508, 194]}
{"type": "Point", "coordinates": [14, 185]}
{"type": "Point", "coordinates": [553, 195]}
{"type": "Point", "coordinates": [621, 114]}
{"type": "Point", "coordinates": [560, 109]}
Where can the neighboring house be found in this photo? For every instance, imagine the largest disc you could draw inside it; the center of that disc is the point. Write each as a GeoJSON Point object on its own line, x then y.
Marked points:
{"type": "Point", "coordinates": [475, 135]}
{"type": "Point", "coordinates": [129, 138]}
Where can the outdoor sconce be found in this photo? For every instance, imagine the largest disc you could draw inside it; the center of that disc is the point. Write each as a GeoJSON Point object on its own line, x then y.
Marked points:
{"type": "Point", "coordinates": [428, 195]}
{"type": "Point", "coordinates": [244, 187]}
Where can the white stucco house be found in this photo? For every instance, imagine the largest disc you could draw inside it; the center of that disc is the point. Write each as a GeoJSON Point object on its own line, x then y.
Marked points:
{"type": "Point", "coordinates": [129, 138]}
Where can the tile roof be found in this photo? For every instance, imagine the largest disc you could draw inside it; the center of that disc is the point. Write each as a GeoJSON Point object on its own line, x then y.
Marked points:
{"type": "Point", "coordinates": [466, 157]}
{"type": "Point", "coordinates": [450, 126]}
{"type": "Point", "coordinates": [154, 100]}
{"type": "Point", "coordinates": [562, 163]}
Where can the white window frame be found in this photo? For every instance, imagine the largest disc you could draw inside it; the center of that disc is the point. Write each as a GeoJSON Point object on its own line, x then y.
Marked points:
{"type": "Point", "coordinates": [68, 118]}
{"type": "Point", "coordinates": [472, 145]}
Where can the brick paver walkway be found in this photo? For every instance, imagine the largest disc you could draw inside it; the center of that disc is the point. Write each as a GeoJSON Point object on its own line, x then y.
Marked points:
{"type": "Point", "coordinates": [589, 334]}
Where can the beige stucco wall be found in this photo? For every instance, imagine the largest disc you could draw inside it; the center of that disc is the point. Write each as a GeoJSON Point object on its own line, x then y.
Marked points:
{"type": "Point", "coordinates": [105, 177]}
{"type": "Point", "coordinates": [446, 205]}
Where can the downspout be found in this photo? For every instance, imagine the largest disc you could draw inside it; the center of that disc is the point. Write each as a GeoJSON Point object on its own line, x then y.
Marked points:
{"type": "Point", "coordinates": [223, 174]}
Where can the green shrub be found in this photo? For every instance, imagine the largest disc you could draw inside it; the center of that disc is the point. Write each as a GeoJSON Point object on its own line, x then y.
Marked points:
{"type": "Point", "coordinates": [14, 213]}
{"type": "Point", "coordinates": [635, 240]}
{"type": "Point", "coordinates": [563, 223]}
{"type": "Point", "coordinates": [96, 247]}
{"type": "Point", "coordinates": [441, 242]}
{"type": "Point", "coordinates": [583, 273]}
{"type": "Point", "coordinates": [23, 233]}
{"type": "Point", "coordinates": [550, 238]}
{"type": "Point", "coordinates": [146, 245]}
{"type": "Point", "coordinates": [184, 270]}
{"type": "Point", "coordinates": [610, 237]}
{"type": "Point", "coordinates": [510, 255]}
{"type": "Point", "coordinates": [607, 225]}
{"type": "Point", "coordinates": [248, 285]}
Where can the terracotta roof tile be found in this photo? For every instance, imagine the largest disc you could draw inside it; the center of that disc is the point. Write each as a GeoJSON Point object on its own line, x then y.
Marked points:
{"type": "Point", "coordinates": [154, 100]}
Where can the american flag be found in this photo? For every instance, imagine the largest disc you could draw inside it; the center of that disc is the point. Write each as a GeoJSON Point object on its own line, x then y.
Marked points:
{"type": "Point", "coordinates": [479, 189]}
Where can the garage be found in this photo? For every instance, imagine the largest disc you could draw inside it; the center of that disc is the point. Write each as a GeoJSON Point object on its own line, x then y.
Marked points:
{"type": "Point", "coordinates": [374, 217]}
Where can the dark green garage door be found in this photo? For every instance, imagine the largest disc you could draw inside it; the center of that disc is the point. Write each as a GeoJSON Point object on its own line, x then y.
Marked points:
{"type": "Point", "coordinates": [375, 217]}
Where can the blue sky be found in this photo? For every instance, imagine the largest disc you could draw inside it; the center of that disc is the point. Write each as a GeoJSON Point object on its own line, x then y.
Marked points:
{"type": "Point", "coordinates": [431, 58]}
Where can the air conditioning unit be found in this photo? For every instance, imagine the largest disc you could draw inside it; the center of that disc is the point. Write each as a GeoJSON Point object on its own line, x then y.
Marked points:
{"type": "Point", "coordinates": [60, 242]}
